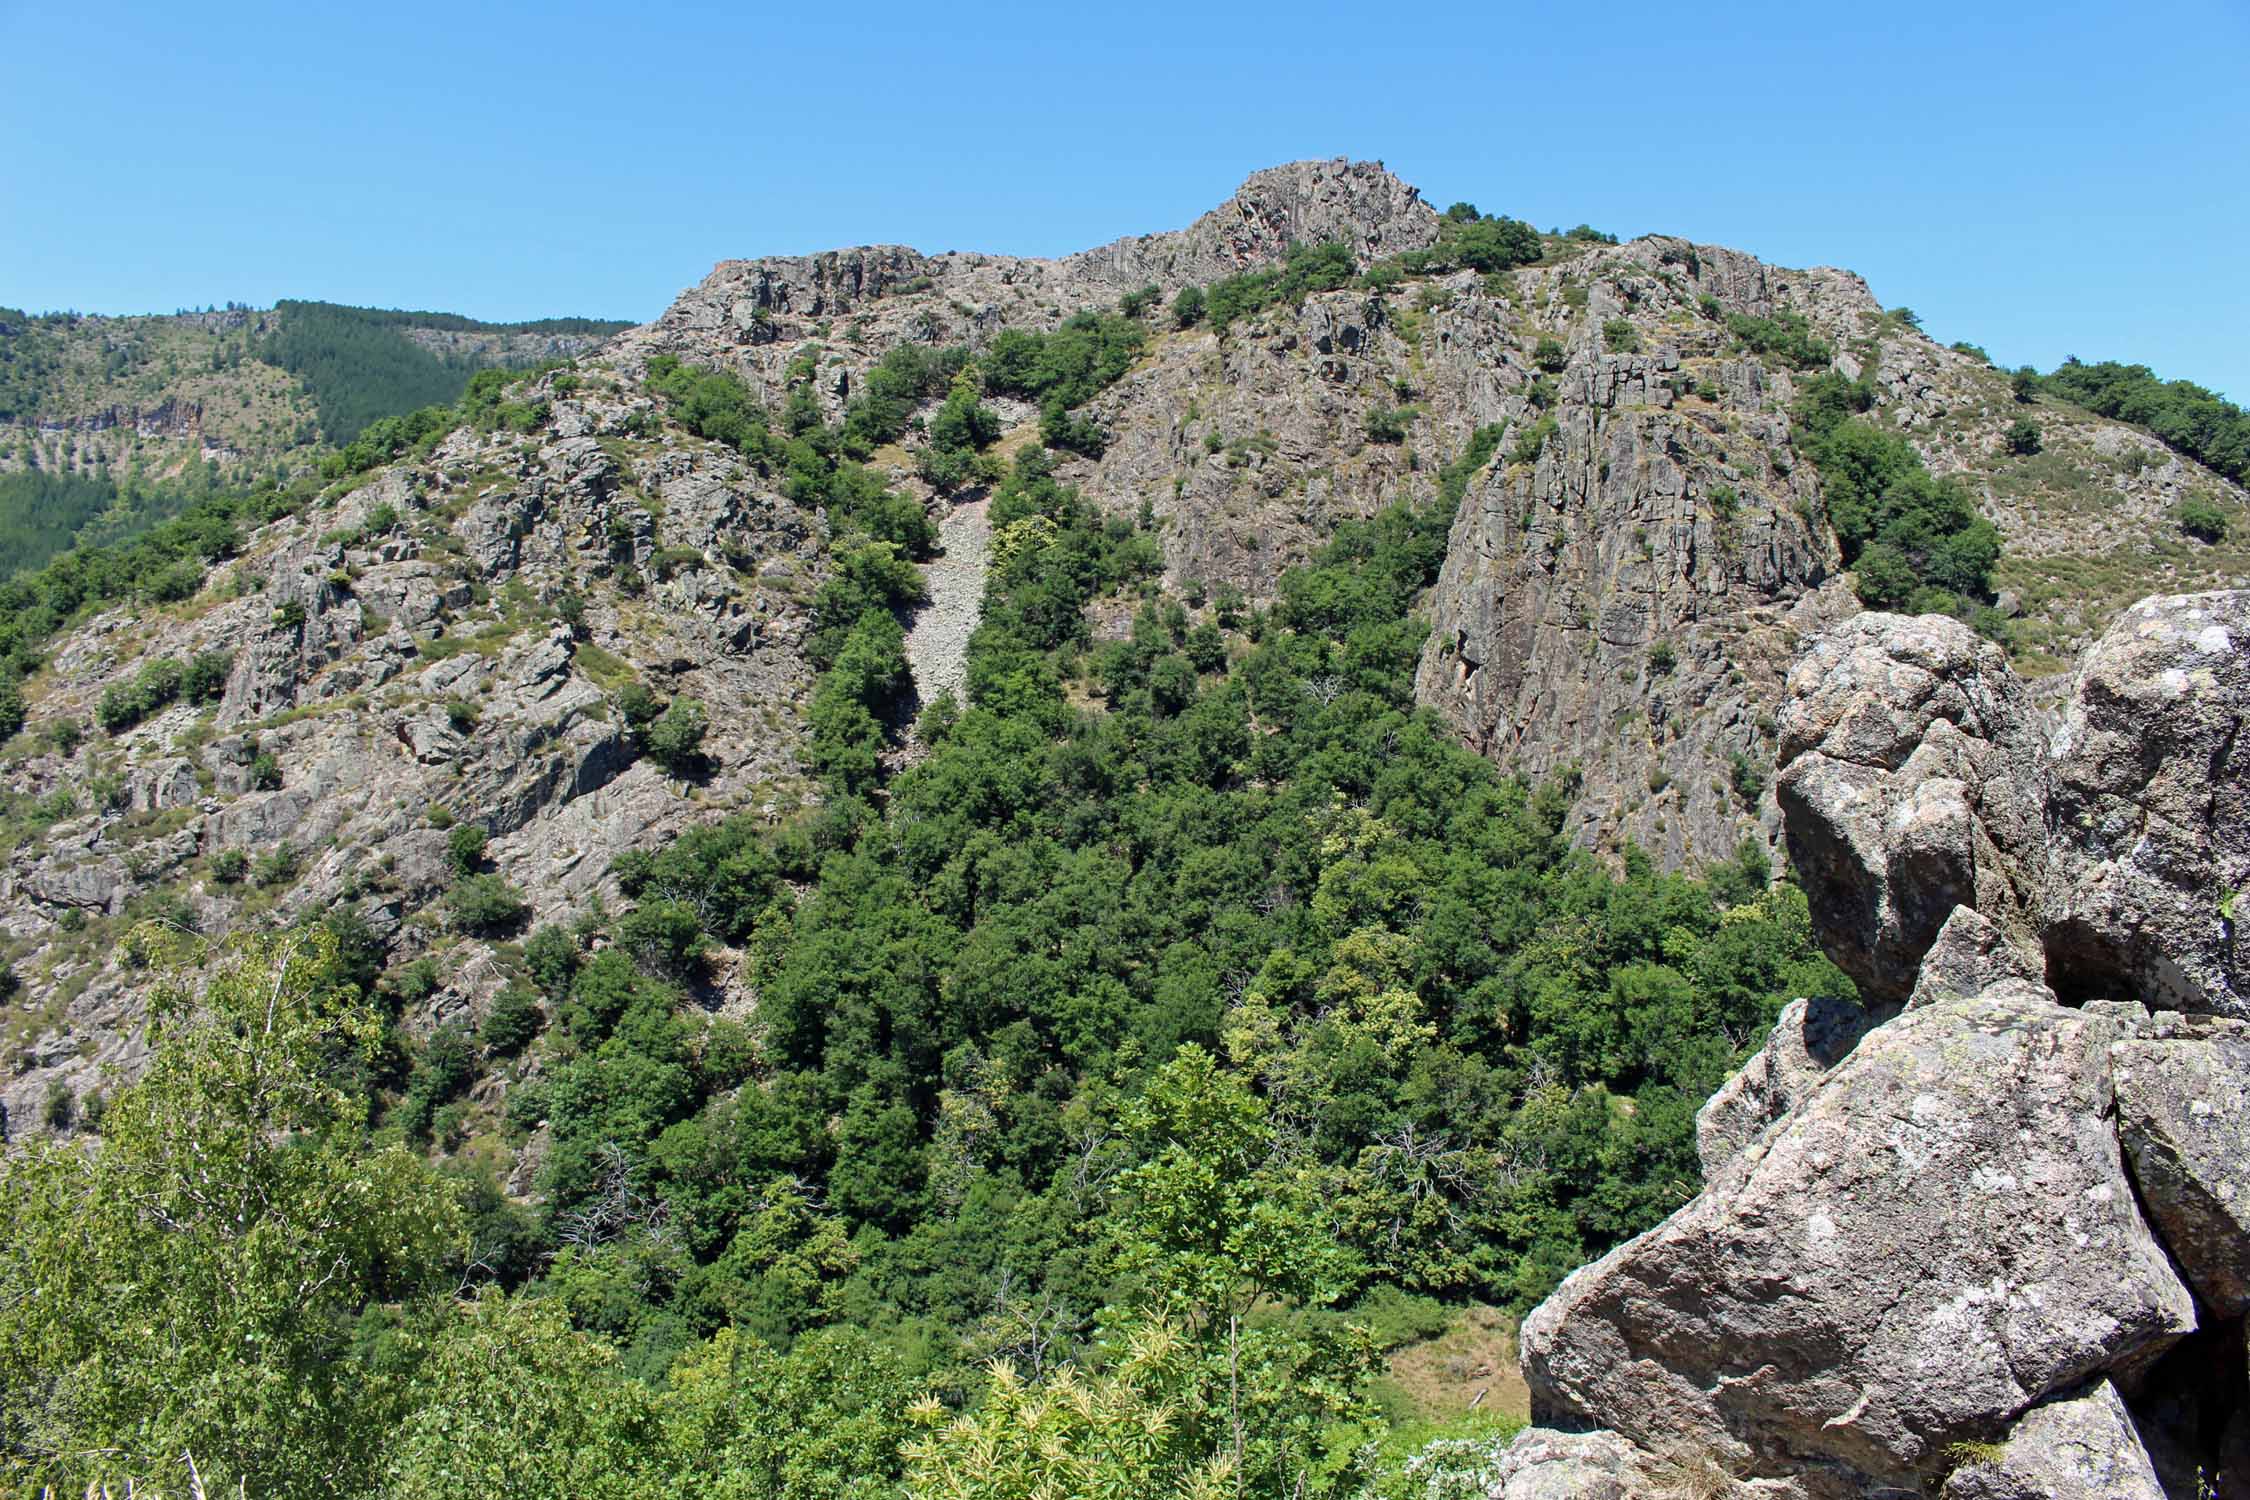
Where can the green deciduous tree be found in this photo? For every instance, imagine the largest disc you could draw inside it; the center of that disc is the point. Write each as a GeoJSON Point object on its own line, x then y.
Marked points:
{"type": "Point", "coordinates": [189, 1287]}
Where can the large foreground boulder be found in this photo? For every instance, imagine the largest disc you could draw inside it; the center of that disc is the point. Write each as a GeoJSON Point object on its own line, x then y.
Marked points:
{"type": "Point", "coordinates": [1921, 1257]}
{"type": "Point", "coordinates": [2149, 812]}
{"type": "Point", "coordinates": [2082, 1448]}
{"type": "Point", "coordinates": [1938, 1237]}
{"type": "Point", "coordinates": [1911, 780]}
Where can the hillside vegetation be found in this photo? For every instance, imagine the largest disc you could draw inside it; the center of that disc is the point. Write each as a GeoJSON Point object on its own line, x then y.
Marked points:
{"type": "Point", "coordinates": [612, 1031]}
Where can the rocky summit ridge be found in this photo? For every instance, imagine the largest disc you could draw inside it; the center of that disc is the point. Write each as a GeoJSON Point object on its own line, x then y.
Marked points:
{"type": "Point", "coordinates": [1627, 578]}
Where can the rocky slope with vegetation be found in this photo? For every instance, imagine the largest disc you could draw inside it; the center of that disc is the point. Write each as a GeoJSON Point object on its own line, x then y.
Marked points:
{"type": "Point", "coordinates": [1630, 573]}
{"type": "Point", "coordinates": [1185, 817]}
{"type": "Point", "coordinates": [108, 425]}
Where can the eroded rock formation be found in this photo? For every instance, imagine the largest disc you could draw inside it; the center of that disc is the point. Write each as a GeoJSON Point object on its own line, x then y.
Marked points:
{"type": "Point", "coordinates": [1996, 1245]}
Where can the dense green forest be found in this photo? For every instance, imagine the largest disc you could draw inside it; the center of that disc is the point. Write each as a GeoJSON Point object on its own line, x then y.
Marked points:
{"type": "Point", "coordinates": [41, 514]}
{"type": "Point", "coordinates": [1192, 1022]}
{"type": "Point", "coordinates": [360, 367]}
{"type": "Point", "coordinates": [28, 362]}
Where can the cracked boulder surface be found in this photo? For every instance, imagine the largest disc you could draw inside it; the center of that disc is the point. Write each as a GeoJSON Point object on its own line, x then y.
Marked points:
{"type": "Point", "coordinates": [2149, 817]}
{"type": "Point", "coordinates": [1938, 1237]}
{"type": "Point", "coordinates": [1911, 778]}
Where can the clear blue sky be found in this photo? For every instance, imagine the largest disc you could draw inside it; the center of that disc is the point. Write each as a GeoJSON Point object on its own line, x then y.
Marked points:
{"type": "Point", "coordinates": [2042, 179]}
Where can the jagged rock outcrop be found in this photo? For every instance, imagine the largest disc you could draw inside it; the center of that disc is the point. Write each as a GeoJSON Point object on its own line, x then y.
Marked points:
{"type": "Point", "coordinates": [2081, 1448]}
{"type": "Point", "coordinates": [1620, 602]}
{"type": "Point", "coordinates": [1938, 1237]}
{"type": "Point", "coordinates": [1910, 777]}
{"type": "Point", "coordinates": [1354, 203]}
{"type": "Point", "coordinates": [1951, 1261]}
{"type": "Point", "coordinates": [2151, 775]}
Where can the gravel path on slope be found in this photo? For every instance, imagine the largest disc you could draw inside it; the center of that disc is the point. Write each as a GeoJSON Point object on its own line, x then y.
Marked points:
{"type": "Point", "coordinates": [937, 644]}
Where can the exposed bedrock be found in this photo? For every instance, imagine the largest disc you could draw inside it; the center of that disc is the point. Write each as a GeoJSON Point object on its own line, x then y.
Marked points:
{"type": "Point", "coordinates": [1984, 1238]}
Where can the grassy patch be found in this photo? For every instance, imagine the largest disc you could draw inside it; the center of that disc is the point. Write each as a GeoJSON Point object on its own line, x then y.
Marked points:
{"type": "Point", "coordinates": [604, 669]}
{"type": "Point", "coordinates": [1469, 1368]}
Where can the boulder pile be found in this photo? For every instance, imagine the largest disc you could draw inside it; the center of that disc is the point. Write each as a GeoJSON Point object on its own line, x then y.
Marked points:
{"type": "Point", "coordinates": [1988, 1234]}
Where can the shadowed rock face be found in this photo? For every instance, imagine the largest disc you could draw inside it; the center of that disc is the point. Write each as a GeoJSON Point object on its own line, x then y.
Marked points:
{"type": "Point", "coordinates": [2183, 1110]}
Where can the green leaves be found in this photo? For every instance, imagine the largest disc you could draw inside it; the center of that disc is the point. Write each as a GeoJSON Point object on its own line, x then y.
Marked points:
{"type": "Point", "coordinates": [187, 1287]}
{"type": "Point", "coordinates": [1088, 353]}
{"type": "Point", "coordinates": [1916, 540]}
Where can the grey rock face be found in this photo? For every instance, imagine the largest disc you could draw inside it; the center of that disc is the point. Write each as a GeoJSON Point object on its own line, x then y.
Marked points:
{"type": "Point", "coordinates": [1911, 781]}
{"type": "Point", "coordinates": [1938, 1237]}
{"type": "Point", "coordinates": [2183, 1112]}
{"type": "Point", "coordinates": [1809, 1038]}
{"type": "Point", "coordinates": [1545, 1465]}
{"type": "Point", "coordinates": [2150, 811]}
{"type": "Point", "coordinates": [2080, 1448]}
{"type": "Point", "coordinates": [1971, 957]}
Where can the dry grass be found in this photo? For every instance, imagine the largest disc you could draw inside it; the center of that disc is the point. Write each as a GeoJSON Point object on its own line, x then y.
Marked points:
{"type": "Point", "coordinates": [1472, 1365]}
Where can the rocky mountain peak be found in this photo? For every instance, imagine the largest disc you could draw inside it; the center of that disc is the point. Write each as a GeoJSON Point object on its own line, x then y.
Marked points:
{"type": "Point", "coordinates": [1355, 203]}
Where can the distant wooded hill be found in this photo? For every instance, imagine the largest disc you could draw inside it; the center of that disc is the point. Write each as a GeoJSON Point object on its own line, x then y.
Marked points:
{"type": "Point", "coordinates": [111, 425]}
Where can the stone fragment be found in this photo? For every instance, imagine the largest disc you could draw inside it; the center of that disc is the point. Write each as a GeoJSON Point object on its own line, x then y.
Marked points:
{"type": "Point", "coordinates": [1810, 1037]}
{"type": "Point", "coordinates": [2075, 1448]}
{"type": "Point", "coordinates": [1972, 957]}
